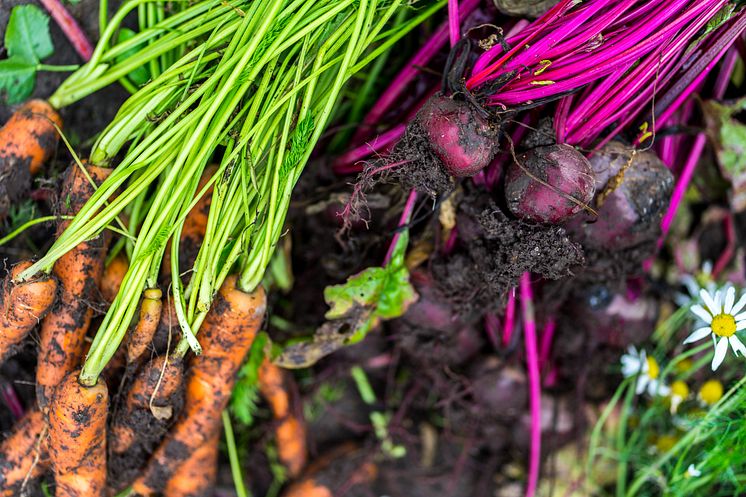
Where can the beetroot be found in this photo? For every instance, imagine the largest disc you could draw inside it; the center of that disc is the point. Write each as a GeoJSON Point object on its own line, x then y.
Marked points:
{"type": "Point", "coordinates": [562, 167]}
{"type": "Point", "coordinates": [458, 135]}
{"type": "Point", "coordinates": [631, 213]}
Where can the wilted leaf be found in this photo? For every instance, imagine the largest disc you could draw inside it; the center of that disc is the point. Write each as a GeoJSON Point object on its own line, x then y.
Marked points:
{"type": "Point", "coordinates": [356, 307]}
{"type": "Point", "coordinates": [530, 8]}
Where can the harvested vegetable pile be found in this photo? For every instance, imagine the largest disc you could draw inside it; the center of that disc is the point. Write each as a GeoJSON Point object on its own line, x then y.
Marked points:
{"type": "Point", "coordinates": [372, 247]}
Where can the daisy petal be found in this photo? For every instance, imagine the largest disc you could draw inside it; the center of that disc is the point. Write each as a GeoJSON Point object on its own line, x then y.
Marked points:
{"type": "Point", "coordinates": [730, 297]}
{"type": "Point", "coordinates": [737, 346]}
{"type": "Point", "coordinates": [720, 351]}
{"type": "Point", "coordinates": [710, 301]}
{"type": "Point", "coordinates": [701, 313]}
{"type": "Point", "coordinates": [642, 383]}
{"type": "Point", "coordinates": [739, 305]}
{"type": "Point", "coordinates": [740, 325]}
{"type": "Point", "coordinates": [740, 317]}
{"type": "Point", "coordinates": [698, 334]}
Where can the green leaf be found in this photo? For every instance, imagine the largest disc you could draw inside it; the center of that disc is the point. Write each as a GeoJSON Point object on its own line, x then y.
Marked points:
{"type": "Point", "coordinates": [245, 394]}
{"type": "Point", "coordinates": [27, 35]}
{"type": "Point", "coordinates": [355, 308]}
{"type": "Point", "coordinates": [141, 75]}
{"type": "Point", "coordinates": [728, 136]}
{"type": "Point", "coordinates": [16, 79]}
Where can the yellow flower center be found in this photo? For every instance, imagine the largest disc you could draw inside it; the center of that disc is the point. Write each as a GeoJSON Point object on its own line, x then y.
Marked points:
{"type": "Point", "coordinates": [724, 325]}
{"type": "Point", "coordinates": [679, 389]}
{"type": "Point", "coordinates": [711, 392]}
{"type": "Point", "coordinates": [664, 443]}
{"type": "Point", "coordinates": [653, 369]}
{"type": "Point", "coordinates": [684, 365]}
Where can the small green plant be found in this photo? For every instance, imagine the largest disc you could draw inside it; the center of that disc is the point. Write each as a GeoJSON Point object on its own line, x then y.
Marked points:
{"type": "Point", "coordinates": [27, 43]}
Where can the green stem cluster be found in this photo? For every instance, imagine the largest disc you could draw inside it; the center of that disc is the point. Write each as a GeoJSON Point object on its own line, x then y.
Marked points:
{"type": "Point", "coordinates": [251, 84]}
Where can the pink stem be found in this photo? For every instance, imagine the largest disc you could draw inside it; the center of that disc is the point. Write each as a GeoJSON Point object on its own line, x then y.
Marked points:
{"type": "Point", "coordinates": [11, 400]}
{"type": "Point", "coordinates": [532, 362]}
{"type": "Point", "coordinates": [681, 185]}
{"type": "Point", "coordinates": [454, 28]}
{"type": "Point", "coordinates": [406, 215]}
{"type": "Point", "coordinates": [70, 28]}
{"type": "Point", "coordinates": [450, 243]}
{"type": "Point", "coordinates": [491, 326]}
{"type": "Point", "coordinates": [547, 337]}
{"type": "Point", "coordinates": [509, 324]}
{"type": "Point", "coordinates": [346, 163]}
{"type": "Point", "coordinates": [410, 71]}
{"type": "Point", "coordinates": [721, 84]}
{"type": "Point", "coordinates": [730, 247]}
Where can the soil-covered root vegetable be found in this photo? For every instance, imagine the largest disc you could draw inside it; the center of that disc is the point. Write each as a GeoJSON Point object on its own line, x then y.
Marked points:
{"type": "Point", "coordinates": [112, 279]}
{"type": "Point", "coordinates": [22, 454]}
{"type": "Point", "coordinates": [549, 184]}
{"type": "Point", "coordinates": [336, 471]}
{"type": "Point", "coordinates": [226, 336]}
{"type": "Point", "coordinates": [197, 476]}
{"type": "Point", "coordinates": [153, 401]}
{"type": "Point", "coordinates": [77, 437]}
{"type": "Point", "coordinates": [458, 135]}
{"type": "Point", "coordinates": [289, 430]}
{"type": "Point", "coordinates": [27, 141]}
{"type": "Point", "coordinates": [79, 272]}
{"type": "Point", "coordinates": [141, 336]}
{"type": "Point", "coordinates": [633, 190]}
{"type": "Point", "coordinates": [22, 304]}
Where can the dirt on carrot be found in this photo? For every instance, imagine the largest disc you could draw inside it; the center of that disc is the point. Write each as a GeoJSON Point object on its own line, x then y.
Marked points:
{"type": "Point", "coordinates": [197, 476]}
{"type": "Point", "coordinates": [141, 336]}
{"type": "Point", "coordinates": [23, 454]}
{"type": "Point", "coordinates": [112, 278]}
{"type": "Point", "coordinates": [79, 272]}
{"type": "Point", "coordinates": [77, 437]}
{"type": "Point", "coordinates": [27, 141]}
{"type": "Point", "coordinates": [22, 306]}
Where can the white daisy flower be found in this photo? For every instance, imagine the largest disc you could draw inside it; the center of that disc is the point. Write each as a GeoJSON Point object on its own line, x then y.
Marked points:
{"type": "Point", "coordinates": [693, 472]}
{"type": "Point", "coordinates": [721, 315]}
{"type": "Point", "coordinates": [694, 284]}
{"type": "Point", "coordinates": [647, 369]}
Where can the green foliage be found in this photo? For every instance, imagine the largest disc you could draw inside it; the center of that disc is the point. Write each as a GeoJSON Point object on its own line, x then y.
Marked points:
{"type": "Point", "coordinates": [141, 75]}
{"type": "Point", "coordinates": [27, 42]}
{"type": "Point", "coordinates": [246, 392]}
{"type": "Point", "coordinates": [20, 213]}
{"type": "Point", "coordinates": [385, 292]}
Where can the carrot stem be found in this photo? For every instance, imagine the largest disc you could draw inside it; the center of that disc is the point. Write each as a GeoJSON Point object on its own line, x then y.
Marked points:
{"type": "Point", "coordinates": [532, 361]}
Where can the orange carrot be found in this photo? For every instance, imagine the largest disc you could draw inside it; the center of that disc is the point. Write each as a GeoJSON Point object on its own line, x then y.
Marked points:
{"type": "Point", "coordinates": [226, 336]}
{"type": "Point", "coordinates": [22, 456]}
{"type": "Point", "coordinates": [358, 470]}
{"type": "Point", "coordinates": [112, 277]}
{"type": "Point", "coordinates": [77, 437]}
{"type": "Point", "coordinates": [290, 431]}
{"type": "Point", "coordinates": [22, 306]}
{"type": "Point", "coordinates": [27, 141]}
{"type": "Point", "coordinates": [197, 476]}
{"type": "Point", "coordinates": [141, 335]}
{"type": "Point", "coordinates": [79, 272]}
{"type": "Point", "coordinates": [154, 399]}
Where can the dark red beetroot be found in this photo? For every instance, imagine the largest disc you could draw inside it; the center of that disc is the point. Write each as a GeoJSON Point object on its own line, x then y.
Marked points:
{"type": "Point", "coordinates": [458, 135]}
{"type": "Point", "coordinates": [569, 175]}
{"type": "Point", "coordinates": [631, 213]}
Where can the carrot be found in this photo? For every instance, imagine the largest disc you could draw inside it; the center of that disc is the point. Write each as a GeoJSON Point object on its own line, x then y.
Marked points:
{"type": "Point", "coordinates": [290, 431]}
{"type": "Point", "coordinates": [226, 336]}
{"type": "Point", "coordinates": [79, 272]}
{"type": "Point", "coordinates": [112, 277]}
{"type": "Point", "coordinates": [154, 399]}
{"type": "Point", "coordinates": [22, 305]}
{"type": "Point", "coordinates": [322, 477]}
{"type": "Point", "coordinates": [142, 334]}
{"type": "Point", "coordinates": [27, 141]}
{"type": "Point", "coordinates": [77, 437]}
{"type": "Point", "coordinates": [308, 488]}
{"type": "Point", "coordinates": [22, 456]}
{"type": "Point", "coordinates": [155, 396]}
{"type": "Point", "coordinates": [197, 476]}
